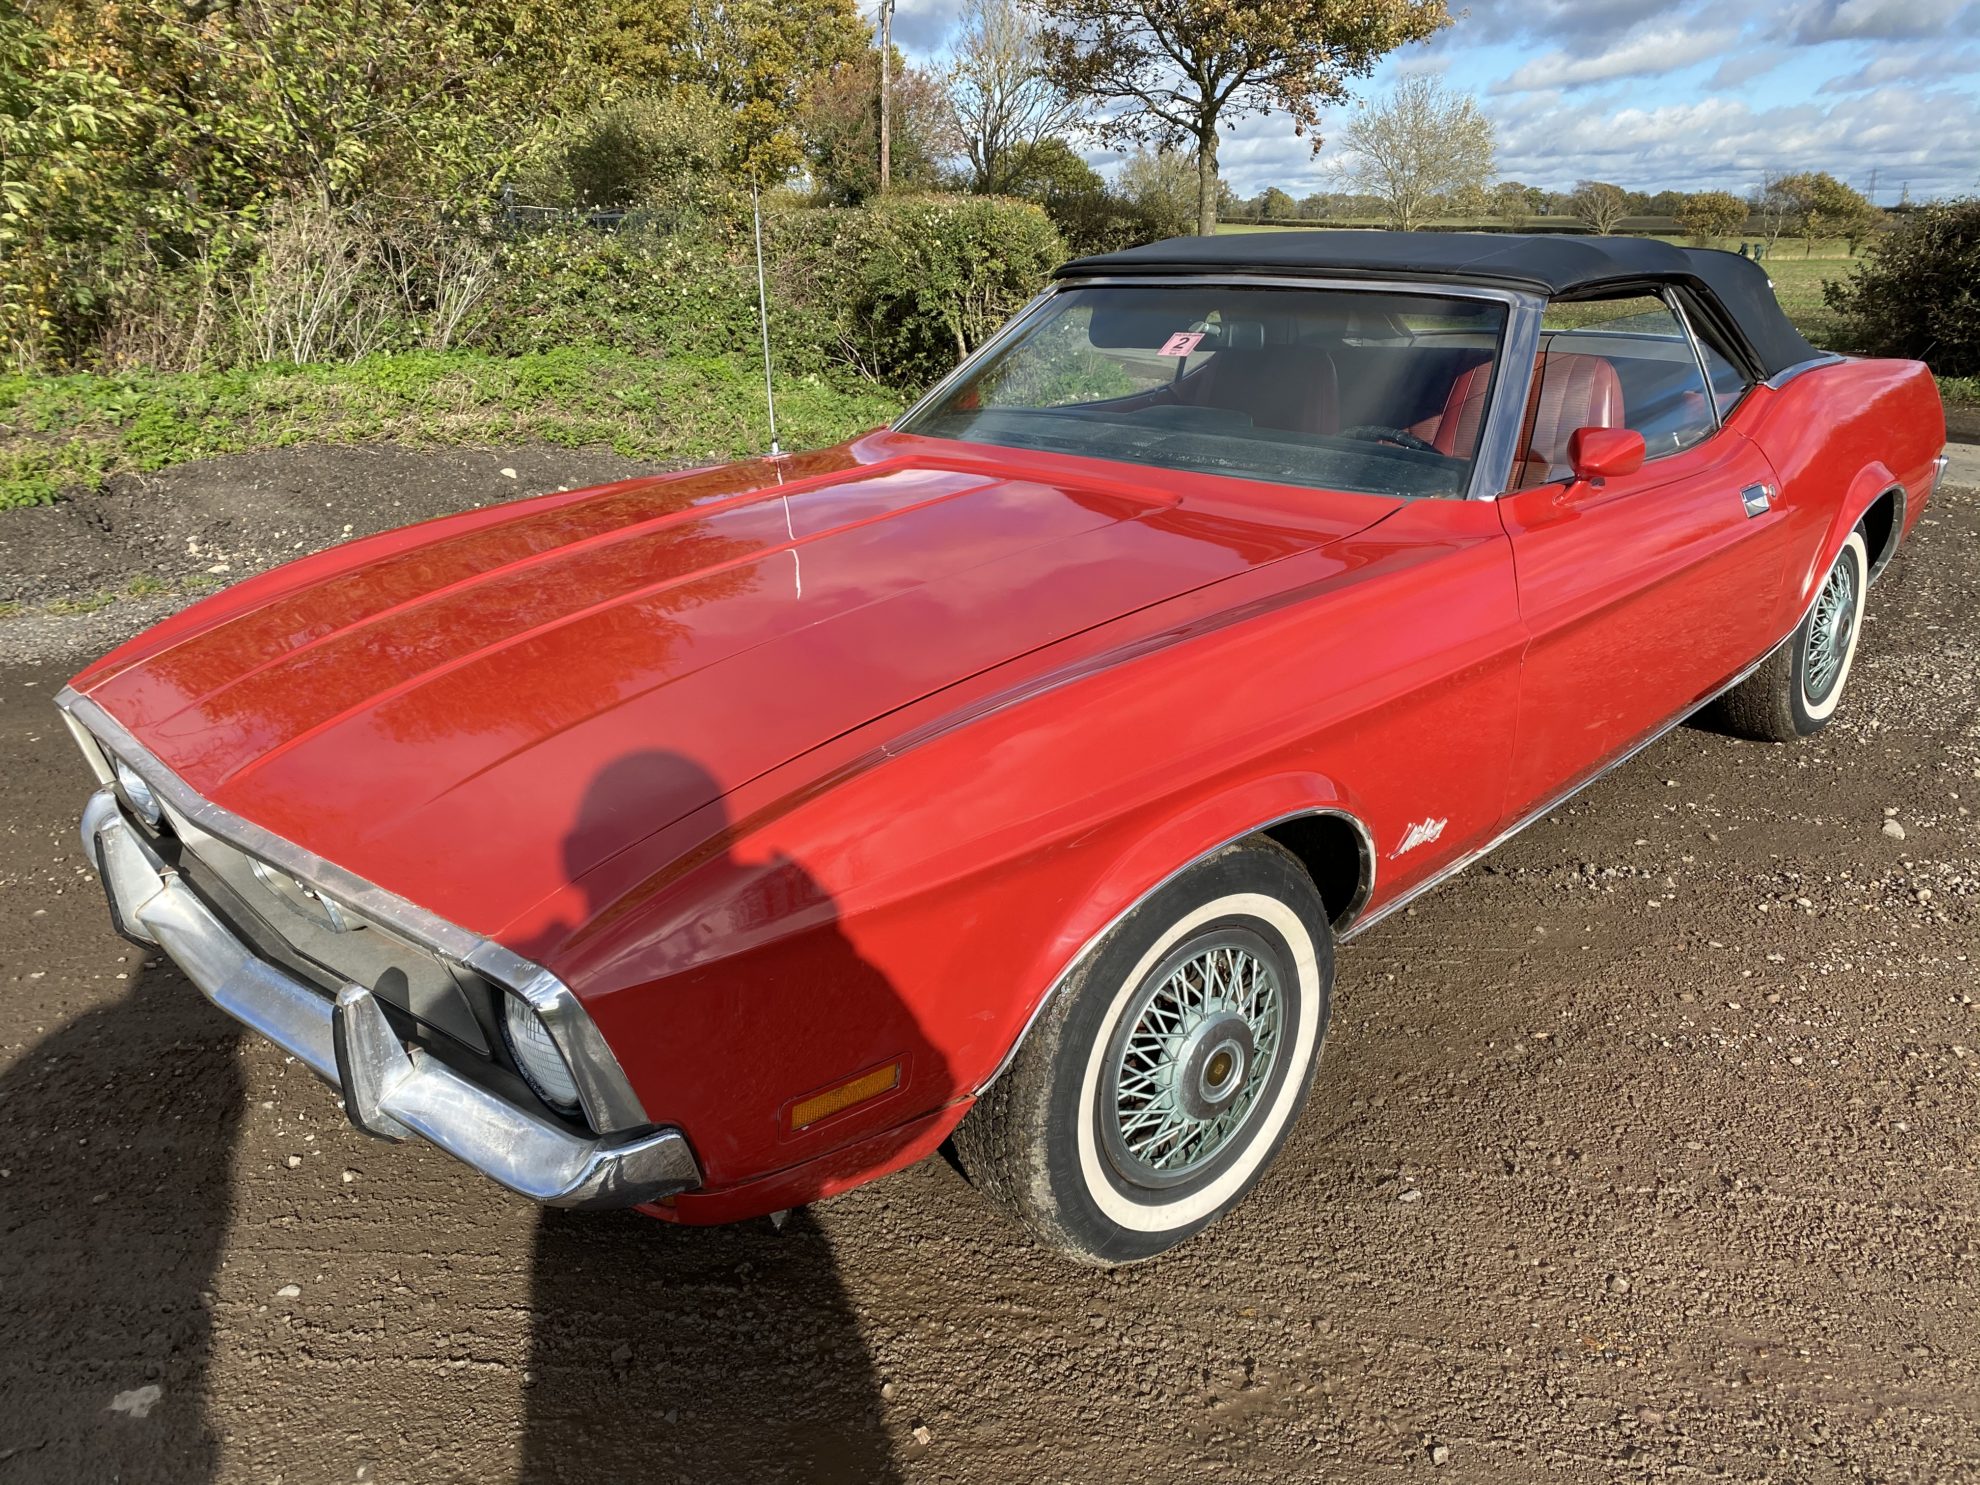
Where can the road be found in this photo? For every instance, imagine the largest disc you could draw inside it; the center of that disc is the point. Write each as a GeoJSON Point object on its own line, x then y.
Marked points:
{"type": "Point", "coordinates": [1645, 1150]}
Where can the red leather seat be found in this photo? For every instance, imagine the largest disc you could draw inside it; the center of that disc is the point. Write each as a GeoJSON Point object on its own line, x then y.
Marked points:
{"type": "Point", "coordinates": [1455, 431]}
{"type": "Point", "coordinates": [1570, 391]}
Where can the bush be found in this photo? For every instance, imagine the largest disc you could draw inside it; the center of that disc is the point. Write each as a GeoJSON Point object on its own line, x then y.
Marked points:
{"type": "Point", "coordinates": [1918, 293]}
{"type": "Point", "coordinates": [666, 153]}
{"type": "Point", "coordinates": [911, 284]}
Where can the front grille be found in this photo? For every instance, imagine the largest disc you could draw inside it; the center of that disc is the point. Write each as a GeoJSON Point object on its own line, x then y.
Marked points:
{"type": "Point", "coordinates": [437, 995]}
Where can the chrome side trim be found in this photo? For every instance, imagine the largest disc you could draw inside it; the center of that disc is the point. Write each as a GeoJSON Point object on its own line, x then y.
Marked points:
{"type": "Point", "coordinates": [1554, 803]}
{"type": "Point", "coordinates": [610, 1104]}
{"type": "Point", "coordinates": [1364, 841]}
{"type": "Point", "coordinates": [389, 1090]}
{"type": "Point", "coordinates": [1490, 471]}
{"type": "Point", "coordinates": [1814, 363]}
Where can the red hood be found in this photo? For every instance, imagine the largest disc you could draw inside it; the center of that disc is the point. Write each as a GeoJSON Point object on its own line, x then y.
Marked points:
{"type": "Point", "coordinates": [436, 709]}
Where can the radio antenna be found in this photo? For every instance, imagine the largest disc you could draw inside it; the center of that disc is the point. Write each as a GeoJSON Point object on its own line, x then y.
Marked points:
{"type": "Point", "coordinates": [763, 322]}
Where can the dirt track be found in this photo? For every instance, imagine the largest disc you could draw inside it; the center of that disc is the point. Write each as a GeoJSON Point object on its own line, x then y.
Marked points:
{"type": "Point", "coordinates": [1646, 1150]}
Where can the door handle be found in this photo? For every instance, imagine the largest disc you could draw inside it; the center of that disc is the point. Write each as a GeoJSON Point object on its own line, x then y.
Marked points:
{"type": "Point", "coordinates": [1758, 499]}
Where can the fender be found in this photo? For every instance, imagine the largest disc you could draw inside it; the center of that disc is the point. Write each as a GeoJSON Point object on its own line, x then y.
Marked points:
{"type": "Point", "coordinates": [1171, 848]}
{"type": "Point", "coordinates": [1871, 483]}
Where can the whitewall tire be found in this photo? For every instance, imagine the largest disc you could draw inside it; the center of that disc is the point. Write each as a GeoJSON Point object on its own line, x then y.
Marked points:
{"type": "Point", "coordinates": [1168, 1068]}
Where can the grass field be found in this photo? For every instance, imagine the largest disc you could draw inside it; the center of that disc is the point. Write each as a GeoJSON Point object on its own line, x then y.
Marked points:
{"type": "Point", "coordinates": [59, 433]}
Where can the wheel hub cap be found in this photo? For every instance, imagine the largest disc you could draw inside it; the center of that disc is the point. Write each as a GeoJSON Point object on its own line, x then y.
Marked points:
{"type": "Point", "coordinates": [1196, 1048]}
{"type": "Point", "coordinates": [1831, 631]}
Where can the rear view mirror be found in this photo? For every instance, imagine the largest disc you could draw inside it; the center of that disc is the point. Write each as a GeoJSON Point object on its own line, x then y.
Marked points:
{"type": "Point", "coordinates": [1596, 454]}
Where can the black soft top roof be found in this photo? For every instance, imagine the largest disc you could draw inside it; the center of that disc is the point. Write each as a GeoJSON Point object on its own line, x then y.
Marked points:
{"type": "Point", "coordinates": [1558, 266]}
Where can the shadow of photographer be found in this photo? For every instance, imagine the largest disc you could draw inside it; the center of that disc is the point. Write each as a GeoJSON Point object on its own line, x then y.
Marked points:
{"type": "Point", "coordinates": [702, 1354]}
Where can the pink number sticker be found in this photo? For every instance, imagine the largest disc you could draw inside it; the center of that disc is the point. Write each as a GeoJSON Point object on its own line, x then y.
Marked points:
{"type": "Point", "coordinates": [1181, 343]}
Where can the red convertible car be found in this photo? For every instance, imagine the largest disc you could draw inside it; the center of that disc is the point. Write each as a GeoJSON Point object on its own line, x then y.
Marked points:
{"type": "Point", "coordinates": [715, 842]}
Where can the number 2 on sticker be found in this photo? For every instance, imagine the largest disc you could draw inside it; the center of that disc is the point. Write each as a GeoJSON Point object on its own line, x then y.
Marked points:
{"type": "Point", "coordinates": [1181, 343]}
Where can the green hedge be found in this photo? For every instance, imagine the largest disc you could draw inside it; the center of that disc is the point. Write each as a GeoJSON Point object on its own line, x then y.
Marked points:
{"type": "Point", "coordinates": [1918, 293]}
{"type": "Point", "coordinates": [897, 291]}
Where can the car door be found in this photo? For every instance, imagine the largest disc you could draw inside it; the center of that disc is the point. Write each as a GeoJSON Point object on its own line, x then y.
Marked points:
{"type": "Point", "coordinates": [1646, 593]}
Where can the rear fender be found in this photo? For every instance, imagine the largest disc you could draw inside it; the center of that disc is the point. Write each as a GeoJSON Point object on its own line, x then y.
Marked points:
{"type": "Point", "coordinates": [1871, 482]}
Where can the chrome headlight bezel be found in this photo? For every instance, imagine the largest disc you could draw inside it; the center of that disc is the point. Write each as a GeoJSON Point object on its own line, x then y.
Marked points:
{"type": "Point", "coordinates": [136, 793]}
{"type": "Point", "coordinates": [538, 1057]}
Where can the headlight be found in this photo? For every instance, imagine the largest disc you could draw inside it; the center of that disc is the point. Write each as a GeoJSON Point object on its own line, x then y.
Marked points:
{"type": "Point", "coordinates": [541, 1063]}
{"type": "Point", "coordinates": [137, 793]}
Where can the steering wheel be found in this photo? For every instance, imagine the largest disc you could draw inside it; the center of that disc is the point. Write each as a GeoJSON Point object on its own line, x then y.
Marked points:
{"type": "Point", "coordinates": [1402, 438]}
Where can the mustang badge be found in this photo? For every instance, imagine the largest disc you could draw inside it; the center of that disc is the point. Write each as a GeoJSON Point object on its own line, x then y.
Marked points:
{"type": "Point", "coordinates": [1420, 834]}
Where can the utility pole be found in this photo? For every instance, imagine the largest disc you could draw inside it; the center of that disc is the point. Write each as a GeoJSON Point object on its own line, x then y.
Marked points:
{"type": "Point", "coordinates": [886, 90]}
{"type": "Point", "coordinates": [1873, 185]}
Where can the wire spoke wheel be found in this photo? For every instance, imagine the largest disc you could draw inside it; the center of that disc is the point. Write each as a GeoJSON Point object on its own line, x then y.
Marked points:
{"type": "Point", "coordinates": [1195, 1049]}
{"type": "Point", "coordinates": [1831, 632]}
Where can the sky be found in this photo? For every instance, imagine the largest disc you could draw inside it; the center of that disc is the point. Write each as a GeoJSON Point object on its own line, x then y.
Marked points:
{"type": "Point", "coordinates": [1692, 94]}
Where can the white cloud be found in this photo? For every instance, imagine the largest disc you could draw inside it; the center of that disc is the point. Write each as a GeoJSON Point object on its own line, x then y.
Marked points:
{"type": "Point", "coordinates": [1648, 53]}
{"type": "Point", "coordinates": [1910, 64]}
{"type": "Point", "coordinates": [1872, 20]}
{"type": "Point", "coordinates": [1743, 66]}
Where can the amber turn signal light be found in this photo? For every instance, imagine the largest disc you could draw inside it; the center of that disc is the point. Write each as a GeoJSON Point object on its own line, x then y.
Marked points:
{"type": "Point", "coordinates": [808, 1111]}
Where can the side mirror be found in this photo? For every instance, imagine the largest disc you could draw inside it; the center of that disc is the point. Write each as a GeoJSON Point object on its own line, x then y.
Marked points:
{"type": "Point", "coordinates": [1596, 454]}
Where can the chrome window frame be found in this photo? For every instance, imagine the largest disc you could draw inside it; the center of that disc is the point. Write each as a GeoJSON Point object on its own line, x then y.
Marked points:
{"type": "Point", "coordinates": [609, 1102]}
{"type": "Point", "coordinates": [1491, 469]}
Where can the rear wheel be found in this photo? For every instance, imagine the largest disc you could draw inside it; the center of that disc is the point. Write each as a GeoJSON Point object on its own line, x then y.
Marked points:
{"type": "Point", "coordinates": [1795, 691]}
{"type": "Point", "coordinates": [1167, 1071]}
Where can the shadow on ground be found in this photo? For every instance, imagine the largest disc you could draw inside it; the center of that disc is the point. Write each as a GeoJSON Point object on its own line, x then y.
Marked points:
{"type": "Point", "coordinates": [124, 1122]}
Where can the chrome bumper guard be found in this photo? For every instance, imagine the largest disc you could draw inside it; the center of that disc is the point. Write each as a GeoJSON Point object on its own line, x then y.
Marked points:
{"type": "Point", "coordinates": [390, 1090]}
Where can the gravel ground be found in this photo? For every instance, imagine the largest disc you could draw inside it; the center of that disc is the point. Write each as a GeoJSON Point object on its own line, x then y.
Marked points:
{"type": "Point", "coordinates": [1646, 1150]}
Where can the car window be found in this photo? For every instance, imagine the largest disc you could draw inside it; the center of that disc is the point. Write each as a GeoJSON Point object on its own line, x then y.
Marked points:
{"type": "Point", "coordinates": [1614, 363]}
{"type": "Point", "coordinates": [1334, 388]}
{"type": "Point", "coordinates": [1728, 382]}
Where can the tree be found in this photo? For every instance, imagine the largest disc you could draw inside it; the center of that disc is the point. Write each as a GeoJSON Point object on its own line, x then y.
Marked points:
{"type": "Point", "coordinates": [1512, 205]}
{"type": "Point", "coordinates": [1599, 204]}
{"type": "Point", "coordinates": [840, 124]}
{"type": "Point", "coordinates": [1004, 103]}
{"type": "Point", "coordinates": [1773, 206]}
{"type": "Point", "coordinates": [1173, 73]}
{"type": "Point", "coordinates": [1161, 184]}
{"type": "Point", "coordinates": [1274, 205]}
{"type": "Point", "coordinates": [1423, 142]}
{"type": "Point", "coordinates": [759, 58]}
{"type": "Point", "coordinates": [1819, 205]}
{"type": "Point", "coordinates": [1047, 169]}
{"type": "Point", "coordinates": [1704, 215]}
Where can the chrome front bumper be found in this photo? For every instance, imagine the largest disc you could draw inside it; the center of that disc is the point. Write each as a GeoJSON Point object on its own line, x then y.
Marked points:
{"type": "Point", "coordinates": [390, 1090]}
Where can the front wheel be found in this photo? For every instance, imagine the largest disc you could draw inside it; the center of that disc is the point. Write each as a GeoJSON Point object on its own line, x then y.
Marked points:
{"type": "Point", "coordinates": [1795, 691]}
{"type": "Point", "coordinates": [1169, 1067]}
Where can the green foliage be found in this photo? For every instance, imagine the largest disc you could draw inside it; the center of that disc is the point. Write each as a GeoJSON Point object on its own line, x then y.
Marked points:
{"type": "Point", "coordinates": [1918, 293]}
{"type": "Point", "coordinates": [639, 290]}
{"type": "Point", "coordinates": [1162, 186]}
{"type": "Point", "coordinates": [1818, 205]}
{"type": "Point", "coordinates": [59, 433]}
{"type": "Point", "coordinates": [842, 130]}
{"type": "Point", "coordinates": [913, 283]}
{"type": "Point", "coordinates": [1704, 215]}
{"type": "Point", "coordinates": [666, 152]}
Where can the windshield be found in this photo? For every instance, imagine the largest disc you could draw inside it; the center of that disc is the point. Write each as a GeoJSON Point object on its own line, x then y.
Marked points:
{"type": "Point", "coordinates": [1339, 389]}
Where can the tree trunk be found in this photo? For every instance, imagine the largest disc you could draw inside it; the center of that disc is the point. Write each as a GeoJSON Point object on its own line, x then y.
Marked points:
{"type": "Point", "coordinates": [1206, 183]}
